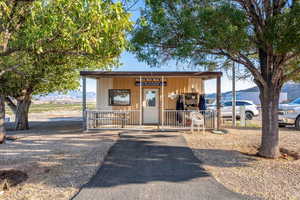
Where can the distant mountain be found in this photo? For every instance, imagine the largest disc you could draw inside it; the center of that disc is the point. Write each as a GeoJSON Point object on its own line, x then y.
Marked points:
{"type": "Point", "coordinates": [292, 90]}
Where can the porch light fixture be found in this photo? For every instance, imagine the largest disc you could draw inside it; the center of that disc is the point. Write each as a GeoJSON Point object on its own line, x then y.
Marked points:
{"type": "Point", "coordinates": [173, 96]}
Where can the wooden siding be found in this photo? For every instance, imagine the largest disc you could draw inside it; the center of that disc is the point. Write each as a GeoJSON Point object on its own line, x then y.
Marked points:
{"type": "Point", "coordinates": [103, 85]}
{"type": "Point", "coordinates": [178, 85]}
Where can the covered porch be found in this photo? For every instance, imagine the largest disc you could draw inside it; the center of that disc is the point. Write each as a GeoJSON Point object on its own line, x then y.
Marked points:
{"type": "Point", "coordinates": [148, 100]}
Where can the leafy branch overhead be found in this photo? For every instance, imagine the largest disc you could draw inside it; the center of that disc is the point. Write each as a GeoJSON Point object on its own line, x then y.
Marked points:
{"type": "Point", "coordinates": [90, 30]}
{"type": "Point", "coordinates": [188, 30]}
{"type": "Point", "coordinates": [44, 44]}
{"type": "Point", "coordinates": [261, 35]}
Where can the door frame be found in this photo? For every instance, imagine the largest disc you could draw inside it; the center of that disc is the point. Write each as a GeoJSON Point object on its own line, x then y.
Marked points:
{"type": "Point", "coordinates": [159, 103]}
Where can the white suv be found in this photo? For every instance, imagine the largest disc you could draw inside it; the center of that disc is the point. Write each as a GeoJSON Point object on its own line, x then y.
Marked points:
{"type": "Point", "coordinates": [289, 114]}
{"type": "Point", "coordinates": [226, 109]}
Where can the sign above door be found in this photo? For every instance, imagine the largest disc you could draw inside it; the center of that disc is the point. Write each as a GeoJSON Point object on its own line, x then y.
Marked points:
{"type": "Point", "coordinates": [150, 82]}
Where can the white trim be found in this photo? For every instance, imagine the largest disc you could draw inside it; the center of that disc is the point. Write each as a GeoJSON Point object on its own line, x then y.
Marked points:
{"type": "Point", "coordinates": [102, 96]}
{"type": "Point", "coordinates": [141, 106]}
{"type": "Point", "coordinates": [149, 112]}
{"type": "Point", "coordinates": [162, 102]}
{"type": "Point", "coordinates": [84, 107]}
{"type": "Point", "coordinates": [87, 119]}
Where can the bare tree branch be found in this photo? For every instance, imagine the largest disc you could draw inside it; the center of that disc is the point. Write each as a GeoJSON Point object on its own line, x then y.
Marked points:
{"type": "Point", "coordinates": [244, 60]}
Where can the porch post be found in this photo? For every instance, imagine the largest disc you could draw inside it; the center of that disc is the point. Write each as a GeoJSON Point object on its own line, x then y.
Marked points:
{"type": "Point", "coordinates": [141, 101]}
{"type": "Point", "coordinates": [162, 102]}
{"type": "Point", "coordinates": [233, 97]}
{"type": "Point", "coordinates": [218, 102]}
{"type": "Point", "coordinates": [84, 102]}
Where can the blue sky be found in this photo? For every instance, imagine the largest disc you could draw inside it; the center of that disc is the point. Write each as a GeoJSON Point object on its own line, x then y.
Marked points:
{"type": "Point", "coordinates": [130, 63]}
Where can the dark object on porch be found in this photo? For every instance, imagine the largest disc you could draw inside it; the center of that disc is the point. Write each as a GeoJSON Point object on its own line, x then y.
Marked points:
{"type": "Point", "coordinates": [191, 101]}
{"type": "Point", "coordinates": [179, 106]}
{"type": "Point", "coordinates": [202, 104]}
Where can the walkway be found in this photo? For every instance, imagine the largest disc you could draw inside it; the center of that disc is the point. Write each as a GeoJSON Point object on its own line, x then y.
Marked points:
{"type": "Point", "coordinates": [156, 166]}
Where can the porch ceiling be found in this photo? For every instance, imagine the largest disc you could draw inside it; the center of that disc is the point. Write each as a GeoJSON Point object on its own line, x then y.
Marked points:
{"type": "Point", "coordinates": [97, 74]}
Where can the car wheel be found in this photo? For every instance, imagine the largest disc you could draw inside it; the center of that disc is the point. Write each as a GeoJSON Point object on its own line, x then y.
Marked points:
{"type": "Point", "coordinates": [297, 123]}
{"type": "Point", "coordinates": [249, 115]}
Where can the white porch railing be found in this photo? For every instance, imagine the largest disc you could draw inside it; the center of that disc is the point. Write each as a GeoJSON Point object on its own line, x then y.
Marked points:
{"type": "Point", "coordinates": [181, 119]}
{"type": "Point", "coordinates": [130, 119]}
{"type": "Point", "coordinates": [112, 119]}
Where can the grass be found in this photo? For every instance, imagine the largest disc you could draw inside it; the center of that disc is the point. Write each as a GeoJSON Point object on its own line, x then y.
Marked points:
{"type": "Point", "coordinates": [39, 108]}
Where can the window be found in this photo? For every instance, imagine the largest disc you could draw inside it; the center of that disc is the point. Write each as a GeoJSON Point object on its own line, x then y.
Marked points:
{"type": "Point", "coordinates": [229, 103]}
{"type": "Point", "coordinates": [296, 101]}
{"type": "Point", "coordinates": [242, 103]}
{"type": "Point", "coordinates": [119, 97]}
{"type": "Point", "coordinates": [150, 98]}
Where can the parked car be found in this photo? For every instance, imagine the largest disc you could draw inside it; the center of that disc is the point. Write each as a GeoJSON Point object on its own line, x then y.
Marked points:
{"type": "Point", "coordinates": [226, 109]}
{"type": "Point", "coordinates": [289, 114]}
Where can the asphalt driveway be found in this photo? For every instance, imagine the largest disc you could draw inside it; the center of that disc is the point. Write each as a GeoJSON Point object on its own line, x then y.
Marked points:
{"type": "Point", "coordinates": [153, 165]}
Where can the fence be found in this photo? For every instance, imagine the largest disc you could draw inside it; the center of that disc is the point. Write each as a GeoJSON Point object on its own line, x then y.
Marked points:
{"type": "Point", "coordinates": [112, 119]}
{"type": "Point", "coordinates": [242, 120]}
{"type": "Point", "coordinates": [130, 119]}
{"type": "Point", "coordinates": [180, 119]}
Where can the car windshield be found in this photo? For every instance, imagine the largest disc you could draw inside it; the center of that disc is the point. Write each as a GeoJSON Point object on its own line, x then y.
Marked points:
{"type": "Point", "coordinates": [296, 101]}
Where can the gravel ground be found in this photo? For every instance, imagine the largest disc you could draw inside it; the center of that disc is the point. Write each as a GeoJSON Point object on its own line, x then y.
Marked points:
{"type": "Point", "coordinates": [57, 156]}
{"type": "Point", "coordinates": [224, 156]}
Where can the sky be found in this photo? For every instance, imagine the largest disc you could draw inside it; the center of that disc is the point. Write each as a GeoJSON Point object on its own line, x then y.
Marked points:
{"type": "Point", "coordinates": [130, 63]}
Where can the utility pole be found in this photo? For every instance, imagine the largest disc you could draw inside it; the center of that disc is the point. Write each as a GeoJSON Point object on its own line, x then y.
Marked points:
{"type": "Point", "coordinates": [233, 97]}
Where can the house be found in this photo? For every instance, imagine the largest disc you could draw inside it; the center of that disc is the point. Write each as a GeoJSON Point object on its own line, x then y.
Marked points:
{"type": "Point", "coordinates": [148, 99]}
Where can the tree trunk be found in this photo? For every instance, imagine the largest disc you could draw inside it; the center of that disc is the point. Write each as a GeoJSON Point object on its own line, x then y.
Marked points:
{"type": "Point", "coordinates": [22, 111]}
{"type": "Point", "coordinates": [2, 119]}
{"type": "Point", "coordinates": [270, 133]}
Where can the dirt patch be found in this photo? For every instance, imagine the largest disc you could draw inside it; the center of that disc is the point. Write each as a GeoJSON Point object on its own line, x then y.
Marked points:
{"type": "Point", "coordinates": [57, 157]}
{"type": "Point", "coordinates": [290, 155]}
{"type": "Point", "coordinates": [11, 178]}
{"type": "Point", "coordinates": [286, 154]}
{"type": "Point", "coordinates": [230, 158]}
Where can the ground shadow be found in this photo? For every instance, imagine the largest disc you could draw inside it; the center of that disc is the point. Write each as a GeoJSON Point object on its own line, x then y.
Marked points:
{"type": "Point", "coordinates": [153, 158]}
{"type": "Point", "coordinates": [49, 147]}
{"type": "Point", "coordinates": [229, 158]}
{"type": "Point", "coordinates": [47, 127]}
{"type": "Point", "coordinates": [136, 158]}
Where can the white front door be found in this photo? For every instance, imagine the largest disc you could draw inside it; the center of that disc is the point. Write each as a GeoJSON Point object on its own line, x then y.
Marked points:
{"type": "Point", "coordinates": [151, 106]}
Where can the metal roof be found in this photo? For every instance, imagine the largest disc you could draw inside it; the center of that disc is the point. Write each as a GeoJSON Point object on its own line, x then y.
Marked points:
{"type": "Point", "coordinates": [97, 74]}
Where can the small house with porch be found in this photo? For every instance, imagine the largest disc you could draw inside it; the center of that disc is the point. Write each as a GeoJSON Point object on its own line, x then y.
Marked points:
{"type": "Point", "coordinates": [139, 100]}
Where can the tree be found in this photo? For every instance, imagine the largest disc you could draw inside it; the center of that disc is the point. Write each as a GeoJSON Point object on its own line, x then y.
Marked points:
{"type": "Point", "coordinates": [263, 36]}
{"type": "Point", "coordinates": [81, 33]}
{"type": "Point", "coordinates": [45, 76]}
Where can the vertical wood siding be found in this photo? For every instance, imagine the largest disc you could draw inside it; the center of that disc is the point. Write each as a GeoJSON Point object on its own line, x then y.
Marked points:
{"type": "Point", "coordinates": [177, 85]}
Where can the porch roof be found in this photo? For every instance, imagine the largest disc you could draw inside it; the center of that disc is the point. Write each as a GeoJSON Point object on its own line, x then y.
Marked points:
{"type": "Point", "coordinates": [96, 74]}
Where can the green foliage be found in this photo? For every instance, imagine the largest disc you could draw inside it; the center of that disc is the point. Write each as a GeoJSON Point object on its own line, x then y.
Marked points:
{"type": "Point", "coordinates": [263, 36]}
{"type": "Point", "coordinates": [53, 40]}
{"type": "Point", "coordinates": [209, 32]}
